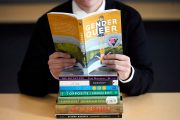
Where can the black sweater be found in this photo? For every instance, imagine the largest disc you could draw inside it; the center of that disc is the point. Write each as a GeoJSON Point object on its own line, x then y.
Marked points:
{"type": "Point", "coordinates": [34, 77]}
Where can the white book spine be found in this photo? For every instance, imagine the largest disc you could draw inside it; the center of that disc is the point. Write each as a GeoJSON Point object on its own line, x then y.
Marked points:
{"type": "Point", "coordinates": [115, 82]}
{"type": "Point", "coordinates": [74, 83]}
{"type": "Point", "coordinates": [87, 83]}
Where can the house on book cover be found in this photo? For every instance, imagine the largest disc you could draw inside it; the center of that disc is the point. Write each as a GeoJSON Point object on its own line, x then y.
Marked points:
{"type": "Point", "coordinates": [87, 39]}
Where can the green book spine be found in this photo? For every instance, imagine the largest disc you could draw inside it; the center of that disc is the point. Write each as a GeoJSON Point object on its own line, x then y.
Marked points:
{"type": "Point", "coordinates": [89, 93]}
{"type": "Point", "coordinates": [88, 100]}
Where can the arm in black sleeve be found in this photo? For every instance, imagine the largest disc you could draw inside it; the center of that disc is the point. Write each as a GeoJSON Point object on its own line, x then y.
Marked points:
{"type": "Point", "coordinates": [135, 46]}
{"type": "Point", "coordinates": [34, 77]}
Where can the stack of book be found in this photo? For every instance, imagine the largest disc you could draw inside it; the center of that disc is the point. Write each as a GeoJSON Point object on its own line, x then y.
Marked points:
{"type": "Point", "coordinates": [89, 96]}
{"type": "Point", "coordinates": [83, 91]}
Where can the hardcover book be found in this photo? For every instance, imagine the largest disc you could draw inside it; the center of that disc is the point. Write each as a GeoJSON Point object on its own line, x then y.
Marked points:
{"type": "Point", "coordinates": [87, 39]}
{"type": "Point", "coordinates": [107, 115]}
{"type": "Point", "coordinates": [89, 93]}
{"type": "Point", "coordinates": [88, 83]}
{"type": "Point", "coordinates": [88, 109]}
{"type": "Point", "coordinates": [80, 88]}
{"type": "Point", "coordinates": [109, 100]}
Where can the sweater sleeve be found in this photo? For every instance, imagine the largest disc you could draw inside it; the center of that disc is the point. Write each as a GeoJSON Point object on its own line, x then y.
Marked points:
{"type": "Point", "coordinates": [136, 48]}
{"type": "Point", "coordinates": [34, 77]}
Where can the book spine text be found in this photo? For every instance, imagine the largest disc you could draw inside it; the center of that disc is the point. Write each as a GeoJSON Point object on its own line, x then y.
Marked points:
{"type": "Point", "coordinates": [88, 83]}
{"type": "Point", "coordinates": [88, 115]}
{"type": "Point", "coordinates": [112, 87]}
{"type": "Point", "coordinates": [88, 109]}
{"type": "Point", "coordinates": [88, 100]}
{"type": "Point", "coordinates": [89, 93]}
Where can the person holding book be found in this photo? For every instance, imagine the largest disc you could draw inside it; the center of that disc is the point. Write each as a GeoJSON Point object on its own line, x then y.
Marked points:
{"type": "Point", "coordinates": [42, 65]}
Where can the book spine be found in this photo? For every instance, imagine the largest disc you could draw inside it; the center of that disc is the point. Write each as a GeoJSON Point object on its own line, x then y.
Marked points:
{"type": "Point", "coordinates": [112, 87]}
{"type": "Point", "coordinates": [88, 100]}
{"type": "Point", "coordinates": [103, 82]}
{"type": "Point", "coordinates": [82, 42]}
{"type": "Point", "coordinates": [89, 83]}
{"type": "Point", "coordinates": [88, 78]}
{"type": "Point", "coordinates": [88, 116]}
{"type": "Point", "coordinates": [89, 93]}
{"type": "Point", "coordinates": [88, 109]}
{"type": "Point", "coordinates": [74, 83]}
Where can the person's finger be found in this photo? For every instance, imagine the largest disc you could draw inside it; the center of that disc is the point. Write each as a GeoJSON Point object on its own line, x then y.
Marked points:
{"type": "Point", "coordinates": [60, 66]}
{"type": "Point", "coordinates": [119, 68]}
{"type": "Point", "coordinates": [59, 55]}
{"type": "Point", "coordinates": [117, 57]}
{"type": "Point", "coordinates": [61, 61]}
{"type": "Point", "coordinates": [117, 62]}
{"type": "Point", "coordinates": [55, 70]}
{"type": "Point", "coordinates": [55, 73]}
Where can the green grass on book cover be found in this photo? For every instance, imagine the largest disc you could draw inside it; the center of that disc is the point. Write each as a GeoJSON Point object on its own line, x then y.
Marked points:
{"type": "Point", "coordinates": [89, 38]}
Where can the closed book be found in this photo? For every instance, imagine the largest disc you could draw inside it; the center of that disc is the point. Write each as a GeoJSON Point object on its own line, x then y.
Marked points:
{"type": "Point", "coordinates": [81, 77]}
{"type": "Point", "coordinates": [88, 82]}
{"type": "Point", "coordinates": [74, 83]}
{"type": "Point", "coordinates": [103, 82]}
{"type": "Point", "coordinates": [88, 100]}
{"type": "Point", "coordinates": [89, 93]}
{"type": "Point", "coordinates": [88, 109]}
{"type": "Point", "coordinates": [111, 87]}
{"type": "Point", "coordinates": [109, 115]}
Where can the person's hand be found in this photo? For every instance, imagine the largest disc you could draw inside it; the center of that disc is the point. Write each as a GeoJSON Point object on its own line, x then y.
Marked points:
{"type": "Point", "coordinates": [121, 63]}
{"type": "Point", "coordinates": [58, 61]}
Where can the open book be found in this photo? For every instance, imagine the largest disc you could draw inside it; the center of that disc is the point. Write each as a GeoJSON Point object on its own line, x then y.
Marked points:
{"type": "Point", "coordinates": [87, 39]}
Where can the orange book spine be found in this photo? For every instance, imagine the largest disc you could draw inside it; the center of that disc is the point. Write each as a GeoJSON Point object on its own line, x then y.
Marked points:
{"type": "Point", "coordinates": [84, 109]}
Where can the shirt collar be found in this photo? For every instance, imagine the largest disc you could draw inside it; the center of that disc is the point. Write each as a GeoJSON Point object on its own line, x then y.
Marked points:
{"type": "Point", "coordinates": [81, 13]}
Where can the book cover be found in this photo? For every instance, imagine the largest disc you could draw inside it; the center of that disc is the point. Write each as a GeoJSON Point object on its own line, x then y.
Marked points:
{"type": "Point", "coordinates": [88, 100]}
{"type": "Point", "coordinates": [88, 109]}
{"type": "Point", "coordinates": [87, 39]}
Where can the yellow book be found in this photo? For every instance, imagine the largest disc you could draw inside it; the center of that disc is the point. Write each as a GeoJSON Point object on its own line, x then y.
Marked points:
{"type": "Point", "coordinates": [89, 38]}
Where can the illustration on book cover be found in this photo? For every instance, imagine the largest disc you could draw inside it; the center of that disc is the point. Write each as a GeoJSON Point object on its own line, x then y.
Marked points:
{"type": "Point", "coordinates": [87, 39]}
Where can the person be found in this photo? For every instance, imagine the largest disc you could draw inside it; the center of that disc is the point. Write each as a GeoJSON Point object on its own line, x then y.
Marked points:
{"type": "Point", "coordinates": [42, 65]}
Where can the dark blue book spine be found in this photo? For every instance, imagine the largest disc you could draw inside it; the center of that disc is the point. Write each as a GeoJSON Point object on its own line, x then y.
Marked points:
{"type": "Point", "coordinates": [88, 78]}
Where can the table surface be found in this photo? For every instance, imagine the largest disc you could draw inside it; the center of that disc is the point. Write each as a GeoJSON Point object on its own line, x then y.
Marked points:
{"type": "Point", "coordinates": [150, 106]}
